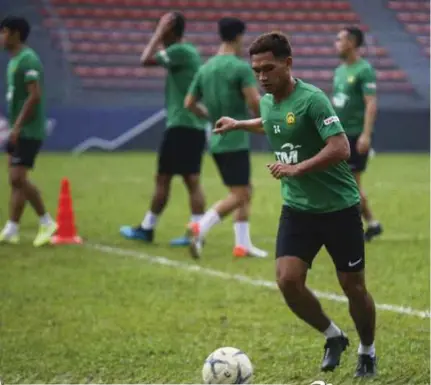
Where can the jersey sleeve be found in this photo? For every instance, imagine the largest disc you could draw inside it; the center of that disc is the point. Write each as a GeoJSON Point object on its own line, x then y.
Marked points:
{"type": "Point", "coordinates": [195, 88]}
{"type": "Point", "coordinates": [323, 115]}
{"type": "Point", "coordinates": [246, 76]}
{"type": "Point", "coordinates": [368, 81]}
{"type": "Point", "coordinates": [173, 56]}
{"type": "Point", "coordinates": [30, 68]}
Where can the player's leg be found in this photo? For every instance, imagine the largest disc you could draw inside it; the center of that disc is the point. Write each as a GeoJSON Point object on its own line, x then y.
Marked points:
{"type": "Point", "coordinates": [345, 242]}
{"type": "Point", "coordinates": [374, 228]}
{"type": "Point", "coordinates": [358, 164]}
{"type": "Point", "coordinates": [165, 171]}
{"type": "Point", "coordinates": [193, 142]}
{"type": "Point", "coordinates": [243, 244]}
{"type": "Point", "coordinates": [22, 159]}
{"type": "Point", "coordinates": [298, 242]}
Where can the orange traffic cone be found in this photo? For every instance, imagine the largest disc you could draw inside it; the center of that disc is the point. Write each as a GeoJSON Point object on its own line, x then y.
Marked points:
{"type": "Point", "coordinates": [66, 233]}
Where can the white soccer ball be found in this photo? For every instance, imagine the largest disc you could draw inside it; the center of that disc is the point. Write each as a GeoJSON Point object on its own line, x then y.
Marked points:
{"type": "Point", "coordinates": [227, 366]}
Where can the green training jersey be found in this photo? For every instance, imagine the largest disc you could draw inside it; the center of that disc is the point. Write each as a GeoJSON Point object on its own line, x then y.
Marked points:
{"type": "Point", "coordinates": [182, 60]}
{"type": "Point", "coordinates": [297, 128]}
{"type": "Point", "coordinates": [23, 68]}
{"type": "Point", "coordinates": [219, 84]}
{"type": "Point", "coordinates": [351, 84]}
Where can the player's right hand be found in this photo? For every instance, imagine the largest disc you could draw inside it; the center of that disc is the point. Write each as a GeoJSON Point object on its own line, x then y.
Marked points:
{"type": "Point", "coordinates": [225, 124]}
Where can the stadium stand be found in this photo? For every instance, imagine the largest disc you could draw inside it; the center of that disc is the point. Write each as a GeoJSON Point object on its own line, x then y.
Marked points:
{"type": "Point", "coordinates": [106, 37]}
{"type": "Point", "coordinates": [415, 15]}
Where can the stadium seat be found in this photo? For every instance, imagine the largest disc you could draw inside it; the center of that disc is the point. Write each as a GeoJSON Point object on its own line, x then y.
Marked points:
{"type": "Point", "coordinates": [113, 32]}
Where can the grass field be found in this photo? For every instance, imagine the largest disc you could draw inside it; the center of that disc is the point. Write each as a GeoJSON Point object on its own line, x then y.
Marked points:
{"type": "Point", "coordinates": [115, 311]}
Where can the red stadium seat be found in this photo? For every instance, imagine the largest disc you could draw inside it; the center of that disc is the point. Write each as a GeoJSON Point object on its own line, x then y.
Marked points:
{"type": "Point", "coordinates": [221, 4]}
{"type": "Point", "coordinates": [408, 17]}
{"type": "Point", "coordinates": [409, 5]}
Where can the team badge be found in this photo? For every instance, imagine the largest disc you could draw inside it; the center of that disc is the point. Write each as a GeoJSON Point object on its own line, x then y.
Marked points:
{"type": "Point", "coordinates": [290, 118]}
{"type": "Point", "coordinates": [350, 79]}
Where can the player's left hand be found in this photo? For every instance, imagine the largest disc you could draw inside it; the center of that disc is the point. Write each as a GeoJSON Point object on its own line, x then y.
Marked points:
{"type": "Point", "coordinates": [363, 144]}
{"type": "Point", "coordinates": [13, 136]}
{"type": "Point", "coordinates": [166, 22]}
{"type": "Point", "coordinates": [279, 170]}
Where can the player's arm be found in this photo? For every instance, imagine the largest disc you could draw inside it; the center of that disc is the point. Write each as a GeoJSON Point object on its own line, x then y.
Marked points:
{"type": "Point", "coordinates": [194, 94]}
{"type": "Point", "coordinates": [148, 57]}
{"type": "Point", "coordinates": [369, 90]}
{"type": "Point", "coordinates": [336, 147]}
{"type": "Point", "coordinates": [31, 78]}
{"type": "Point", "coordinates": [226, 124]}
{"type": "Point", "coordinates": [249, 89]}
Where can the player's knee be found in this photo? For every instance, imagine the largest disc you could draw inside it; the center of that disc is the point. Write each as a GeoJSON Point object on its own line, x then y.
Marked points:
{"type": "Point", "coordinates": [243, 194]}
{"type": "Point", "coordinates": [289, 284]}
{"type": "Point", "coordinates": [352, 286]}
{"type": "Point", "coordinates": [16, 180]}
{"type": "Point", "coordinates": [192, 183]}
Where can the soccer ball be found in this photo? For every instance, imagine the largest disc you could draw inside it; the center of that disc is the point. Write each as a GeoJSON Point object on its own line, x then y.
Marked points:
{"type": "Point", "coordinates": [227, 366]}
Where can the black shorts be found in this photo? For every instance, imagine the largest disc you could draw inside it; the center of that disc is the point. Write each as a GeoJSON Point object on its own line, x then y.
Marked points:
{"type": "Point", "coordinates": [23, 152]}
{"type": "Point", "coordinates": [357, 162]}
{"type": "Point", "coordinates": [234, 167]}
{"type": "Point", "coordinates": [303, 234]}
{"type": "Point", "coordinates": [181, 151]}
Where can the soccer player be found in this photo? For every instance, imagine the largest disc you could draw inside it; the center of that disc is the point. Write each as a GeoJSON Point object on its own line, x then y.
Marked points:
{"type": "Point", "coordinates": [355, 102]}
{"type": "Point", "coordinates": [184, 140]}
{"type": "Point", "coordinates": [226, 85]}
{"type": "Point", "coordinates": [321, 198]}
{"type": "Point", "coordinates": [27, 122]}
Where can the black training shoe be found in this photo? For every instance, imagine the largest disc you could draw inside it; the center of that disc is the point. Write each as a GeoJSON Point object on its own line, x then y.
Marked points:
{"type": "Point", "coordinates": [367, 366]}
{"type": "Point", "coordinates": [372, 232]}
{"type": "Point", "coordinates": [334, 347]}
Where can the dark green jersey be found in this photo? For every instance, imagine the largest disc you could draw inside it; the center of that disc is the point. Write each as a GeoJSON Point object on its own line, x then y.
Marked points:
{"type": "Point", "coordinates": [23, 68]}
{"type": "Point", "coordinates": [219, 84]}
{"type": "Point", "coordinates": [182, 61]}
{"type": "Point", "coordinates": [297, 129]}
{"type": "Point", "coordinates": [351, 84]}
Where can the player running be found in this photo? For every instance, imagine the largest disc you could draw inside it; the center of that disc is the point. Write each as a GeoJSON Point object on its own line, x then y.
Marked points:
{"type": "Point", "coordinates": [184, 140]}
{"type": "Point", "coordinates": [321, 198]}
{"type": "Point", "coordinates": [27, 123]}
{"type": "Point", "coordinates": [355, 102]}
{"type": "Point", "coordinates": [226, 85]}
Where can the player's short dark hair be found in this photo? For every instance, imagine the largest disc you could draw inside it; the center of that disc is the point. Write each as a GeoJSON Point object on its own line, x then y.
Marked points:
{"type": "Point", "coordinates": [179, 24]}
{"type": "Point", "coordinates": [229, 28]}
{"type": "Point", "coordinates": [275, 42]}
{"type": "Point", "coordinates": [17, 24]}
{"type": "Point", "coordinates": [356, 34]}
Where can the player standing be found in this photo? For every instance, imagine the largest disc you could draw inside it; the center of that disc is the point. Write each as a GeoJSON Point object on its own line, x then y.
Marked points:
{"type": "Point", "coordinates": [184, 140]}
{"type": "Point", "coordinates": [226, 85]}
{"type": "Point", "coordinates": [355, 102]}
{"type": "Point", "coordinates": [27, 122]}
{"type": "Point", "coordinates": [321, 198]}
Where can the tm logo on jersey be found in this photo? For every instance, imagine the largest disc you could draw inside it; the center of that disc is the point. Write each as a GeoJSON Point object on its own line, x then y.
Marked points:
{"type": "Point", "coordinates": [289, 155]}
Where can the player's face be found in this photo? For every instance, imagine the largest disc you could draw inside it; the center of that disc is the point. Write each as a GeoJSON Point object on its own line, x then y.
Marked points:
{"type": "Point", "coordinates": [271, 72]}
{"type": "Point", "coordinates": [8, 40]}
{"type": "Point", "coordinates": [343, 44]}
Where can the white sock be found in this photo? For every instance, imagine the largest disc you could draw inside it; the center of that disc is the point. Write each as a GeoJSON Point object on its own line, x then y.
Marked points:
{"type": "Point", "coordinates": [196, 218]}
{"type": "Point", "coordinates": [332, 331]}
{"type": "Point", "coordinates": [46, 219]}
{"type": "Point", "coordinates": [149, 221]}
{"type": "Point", "coordinates": [373, 223]}
{"type": "Point", "coordinates": [210, 219]}
{"type": "Point", "coordinates": [242, 234]}
{"type": "Point", "coordinates": [11, 228]}
{"type": "Point", "coordinates": [368, 350]}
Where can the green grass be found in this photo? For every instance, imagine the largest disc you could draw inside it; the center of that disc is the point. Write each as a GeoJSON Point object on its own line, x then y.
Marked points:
{"type": "Point", "coordinates": [72, 314]}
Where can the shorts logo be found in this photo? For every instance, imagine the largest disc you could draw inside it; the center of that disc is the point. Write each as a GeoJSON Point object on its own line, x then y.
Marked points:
{"type": "Point", "coordinates": [290, 118]}
{"type": "Point", "coordinates": [331, 119]}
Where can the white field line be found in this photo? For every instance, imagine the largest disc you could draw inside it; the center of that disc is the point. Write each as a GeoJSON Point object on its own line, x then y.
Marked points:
{"type": "Point", "coordinates": [158, 260]}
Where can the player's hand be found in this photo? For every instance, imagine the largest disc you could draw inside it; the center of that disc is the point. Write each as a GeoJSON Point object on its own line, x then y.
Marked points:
{"type": "Point", "coordinates": [166, 23]}
{"type": "Point", "coordinates": [13, 136]}
{"type": "Point", "coordinates": [280, 170]}
{"type": "Point", "coordinates": [224, 124]}
{"type": "Point", "coordinates": [363, 144]}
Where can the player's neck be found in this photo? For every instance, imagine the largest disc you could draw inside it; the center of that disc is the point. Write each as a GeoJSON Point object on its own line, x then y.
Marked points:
{"type": "Point", "coordinates": [352, 58]}
{"type": "Point", "coordinates": [16, 50]}
{"type": "Point", "coordinates": [227, 49]}
{"type": "Point", "coordinates": [286, 91]}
